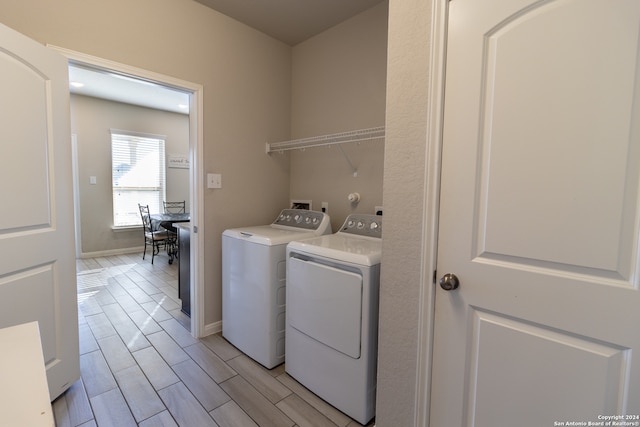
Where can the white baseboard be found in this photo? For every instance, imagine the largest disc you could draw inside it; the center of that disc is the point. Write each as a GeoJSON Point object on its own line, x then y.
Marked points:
{"type": "Point", "coordinates": [112, 252]}
{"type": "Point", "coordinates": [213, 328]}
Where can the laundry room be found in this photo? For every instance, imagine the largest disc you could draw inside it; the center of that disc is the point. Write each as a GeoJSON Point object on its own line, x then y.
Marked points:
{"type": "Point", "coordinates": [507, 173]}
{"type": "Point", "coordinates": [339, 85]}
{"type": "Point", "coordinates": [336, 154]}
{"type": "Point", "coordinates": [257, 92]}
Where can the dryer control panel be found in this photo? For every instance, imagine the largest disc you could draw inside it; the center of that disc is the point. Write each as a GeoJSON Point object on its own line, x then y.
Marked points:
{"type": "Point", "coordinates": [301, 218]}
{"type": "Point", "coordinates": [363, 225]}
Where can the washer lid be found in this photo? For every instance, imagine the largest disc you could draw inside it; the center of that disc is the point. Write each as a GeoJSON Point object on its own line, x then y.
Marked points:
{"type": "Point", "coordinates": [359, 250]}
{"type": "Point", "coordinates": [268, 235]}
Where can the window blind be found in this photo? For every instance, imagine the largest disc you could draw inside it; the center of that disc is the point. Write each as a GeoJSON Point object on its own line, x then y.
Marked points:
{"type": "Point", "coordinates": [138, 176]}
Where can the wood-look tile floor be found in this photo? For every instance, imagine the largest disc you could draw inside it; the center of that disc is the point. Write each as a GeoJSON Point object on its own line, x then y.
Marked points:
{"type": "Point", "coordinates": [140, 366]}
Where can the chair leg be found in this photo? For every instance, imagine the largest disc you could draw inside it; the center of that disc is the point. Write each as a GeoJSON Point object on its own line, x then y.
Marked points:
{"type": "Point", "coordinates": [172, 249]}
{"type": "Point", "coordinates": [145, 248]}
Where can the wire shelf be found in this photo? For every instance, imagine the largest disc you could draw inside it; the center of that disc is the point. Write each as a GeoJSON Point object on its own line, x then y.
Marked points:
{"type": "Point", "coordinates": [360, 135]}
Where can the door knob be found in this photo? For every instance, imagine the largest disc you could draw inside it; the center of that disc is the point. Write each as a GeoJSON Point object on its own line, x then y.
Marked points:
{"type": "Point", "coordinates": [449, 282]}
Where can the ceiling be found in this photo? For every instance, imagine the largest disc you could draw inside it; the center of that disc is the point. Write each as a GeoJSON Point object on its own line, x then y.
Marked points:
{"type": "Point", "coordinates": [290, 21]}
{"type": "Point", "coordinates": [120, 88]}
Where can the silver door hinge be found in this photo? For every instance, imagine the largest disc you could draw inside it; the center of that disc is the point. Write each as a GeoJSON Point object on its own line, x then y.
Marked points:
{"type": "Point", "coordinates": [195, 228]}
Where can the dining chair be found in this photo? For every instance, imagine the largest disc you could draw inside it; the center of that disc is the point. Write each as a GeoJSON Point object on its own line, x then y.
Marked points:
{"type": "Point", "coordinates": [157, 238]}
{"type": "Point", "coordinates": [174, 207]}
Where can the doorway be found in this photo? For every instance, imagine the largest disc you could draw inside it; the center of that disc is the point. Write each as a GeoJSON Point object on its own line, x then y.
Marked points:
{"type": "Point", "coordinates": [195, 95]}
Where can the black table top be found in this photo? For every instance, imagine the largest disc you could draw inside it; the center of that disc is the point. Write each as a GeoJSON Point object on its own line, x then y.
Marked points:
{"type": "Point", "coordinates": [165, 220]}
{"type": "Point", "coordinates": [171, 217]}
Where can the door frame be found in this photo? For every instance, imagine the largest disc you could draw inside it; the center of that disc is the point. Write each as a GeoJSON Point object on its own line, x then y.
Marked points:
{"type": "Point", "coordinates": [76, 194]}
{"type": "Point", "coordinates": [434, 119]}
{"type": "Point", "coordinates": [196, 187]}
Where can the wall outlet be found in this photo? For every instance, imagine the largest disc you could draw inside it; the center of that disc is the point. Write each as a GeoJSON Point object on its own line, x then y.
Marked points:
{"type": "Point", "coordinates": [214, 180]}
{"type": "Point", "coordinates": [325, 207]}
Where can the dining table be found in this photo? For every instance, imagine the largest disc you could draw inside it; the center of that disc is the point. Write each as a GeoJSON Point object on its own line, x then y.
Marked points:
{"type": "Point", "coordinates": [166, 221]}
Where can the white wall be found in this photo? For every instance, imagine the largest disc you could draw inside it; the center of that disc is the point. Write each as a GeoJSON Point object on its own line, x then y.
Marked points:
{"type": "Point", "coordinates": [338, 85]}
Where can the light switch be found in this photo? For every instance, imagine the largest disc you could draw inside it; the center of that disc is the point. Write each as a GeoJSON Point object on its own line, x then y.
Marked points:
{"type": "Point", "coordinates": [92, 180]}
{"type": "Point", "coordinates": [214, 180]}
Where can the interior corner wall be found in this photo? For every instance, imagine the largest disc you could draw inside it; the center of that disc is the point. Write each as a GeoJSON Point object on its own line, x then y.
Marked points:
{"type": "Point", "coordinates": [339, 85]}
{"type": "Point", "coordinates": [246, 80]}
{"type": "Point", "coordinates": [91, 120]}
{"type": "Point", "coordinates": [404, 252]}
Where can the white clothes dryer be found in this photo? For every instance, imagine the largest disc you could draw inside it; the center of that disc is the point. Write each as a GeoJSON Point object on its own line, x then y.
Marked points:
{"type": "Point", "coordinates": [253, 282]}
{"type": "Point", "coordinates": [332, 314]}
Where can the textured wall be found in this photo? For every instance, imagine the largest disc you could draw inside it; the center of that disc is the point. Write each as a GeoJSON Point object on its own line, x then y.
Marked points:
{"type": "Point", "coordinates": [404, 201]}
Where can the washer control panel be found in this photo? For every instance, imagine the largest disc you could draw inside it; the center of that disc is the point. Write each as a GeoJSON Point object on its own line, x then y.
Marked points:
{"type": "Point", "coordinates": [300, 218]}
{"type": "Point", "coordinates": [363, 225]}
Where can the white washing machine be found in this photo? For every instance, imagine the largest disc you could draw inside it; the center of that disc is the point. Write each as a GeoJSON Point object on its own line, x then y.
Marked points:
{"type": "Point", "coordinates": [332, 314]}
{"type": "Point", "coordinates": [253, 282]}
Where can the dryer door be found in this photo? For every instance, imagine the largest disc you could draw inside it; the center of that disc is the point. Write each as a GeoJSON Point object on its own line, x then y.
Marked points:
{"type": "Point", "coordinates": [325, 303]}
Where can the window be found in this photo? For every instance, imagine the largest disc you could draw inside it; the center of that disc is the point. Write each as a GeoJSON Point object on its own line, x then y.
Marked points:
{"type": "Point", "coordinates": [137, 174]}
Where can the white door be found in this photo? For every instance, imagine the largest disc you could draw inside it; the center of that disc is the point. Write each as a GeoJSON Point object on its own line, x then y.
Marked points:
{"type": "Point", "coordinates": [539, 215]}
{"type": "Point", "coordinates": [37, 263]}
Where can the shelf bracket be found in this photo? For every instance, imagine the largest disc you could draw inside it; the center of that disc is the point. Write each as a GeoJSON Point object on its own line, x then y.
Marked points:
{"type": "Point", "coordinates": [353, 169]}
